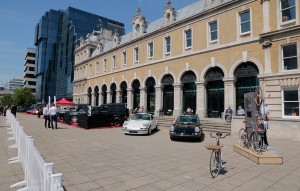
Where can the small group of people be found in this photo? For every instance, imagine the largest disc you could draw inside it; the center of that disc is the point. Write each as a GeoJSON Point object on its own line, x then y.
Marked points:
{"type": "Point", "coordinates": [50, 116]}
{"type": "Point", "coordinates": [3, 110]}
{"type": "Point", "coordinates": [189, 111]}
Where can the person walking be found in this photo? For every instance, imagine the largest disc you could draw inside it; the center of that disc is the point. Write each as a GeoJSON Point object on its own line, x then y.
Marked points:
{"type": "Point", "coordinates": [5, 109]}
{"type": "Point", "coordinates": [1, 110]}
{"type": "Point", "coordinates": [53, 116]}
{"type": "Point", "coordinates": [14, 110]}
{"type": "Point", "coordinates": [265, 111]}
{"type": "Point", "coordinates": [46, 116]}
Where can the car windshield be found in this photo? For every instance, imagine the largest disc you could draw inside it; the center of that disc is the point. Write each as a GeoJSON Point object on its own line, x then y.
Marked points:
{"type": "Point", "coordinates": [187, 119]}
{"type": "Point", "coordinates": [141, 117]}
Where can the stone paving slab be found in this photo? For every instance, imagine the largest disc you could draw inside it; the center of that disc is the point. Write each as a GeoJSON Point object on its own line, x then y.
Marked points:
{"type": "Point", "coordinates": [106, 159]}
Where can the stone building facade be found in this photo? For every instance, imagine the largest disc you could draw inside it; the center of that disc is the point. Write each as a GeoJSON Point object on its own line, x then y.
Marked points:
{"type": "Point", "coordinates": [204, 56]}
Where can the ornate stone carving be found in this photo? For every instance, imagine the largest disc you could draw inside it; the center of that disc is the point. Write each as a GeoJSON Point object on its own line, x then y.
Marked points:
{"type": "Point", "coordinates": [246, 71]}
{"type": "Point", "coordinates": [167, 80]}
{"type": "Point", "coordinates": [123, 86]}
{"type": "Point", "coordinates": [150, 82]}
{"type": "Point", "coordinates": [188, 77]}
{"type": "Point", "coordinates": [136, 84]}
{"type": "Point", "coordinates": [214, 74]}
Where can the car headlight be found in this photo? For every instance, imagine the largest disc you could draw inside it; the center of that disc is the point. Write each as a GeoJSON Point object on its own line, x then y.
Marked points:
{"type": "Point", "coordinates": [125, 123]}
{"type": "Point", "coordinates": [197, 130]}
{"type": "Point", "coordinates": [172, 128]}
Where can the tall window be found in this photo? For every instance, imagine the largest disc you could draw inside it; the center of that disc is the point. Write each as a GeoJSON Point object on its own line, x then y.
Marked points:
{"type": "Point", "coordinates": [188, 38]}
{"type": "Point", "coordinates": [150, 50]}
{"type": "Point", "coordinates": [213, 29]}
{"type": "Point", "coordinates": [245, 23]}
{"type": "Point", "coordinates": [97, 67]}
{"type": "Point", "coordinates": [167, 45]}
{"type": "Point", "coordinates": [289, 57]}
{"type": "Point", "coordinates": [104, 65]}
{"type": "Point", "coordinates": [288, 10]}
{"type": "Point", "coordinates": [114, 62]}
{"type": "Point", "coordinates": [136, 55]}
{"type": "Point", "coordinates": [124, 58]}
{"type": "Point", "coordinates": [291, 102]}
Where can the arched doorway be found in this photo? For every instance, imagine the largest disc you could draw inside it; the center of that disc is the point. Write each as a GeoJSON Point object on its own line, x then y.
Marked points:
{"type": "Point", "coordinates": [246, 81]}
{"type": "Point", "coordinates": [113, 93]}
{"type": "Point", "coordinates": [96, 90]}
{"type": "Point", "coordinates": [123, 92]}
{"type": "Point", "coordinates": [90, 96]}
{"type": "Point", "coordinates": [136, 93]}
{"type": "Point", "coordinates": [188, 80]}
{"type": "Point", "coordinates": [214, 92]}
{"type": "Point", "coordinates": [168, 92]}
{"type": "Point", "coordinates": [104, 94]}
{"type": "Point", "coordinates": [150, 83]}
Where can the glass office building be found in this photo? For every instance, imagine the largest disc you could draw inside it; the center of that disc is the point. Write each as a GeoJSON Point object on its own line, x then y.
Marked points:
{"type": "Point", "coordinates": [56, 35]}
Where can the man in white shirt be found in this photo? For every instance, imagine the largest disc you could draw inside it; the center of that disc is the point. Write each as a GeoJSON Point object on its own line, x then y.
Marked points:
{"type": "Point", "coordinates": [240, 111]}
{"type": "Point", "coordinates": [46, 116]}
{"type": "Point", "coordinates": [53, 115]}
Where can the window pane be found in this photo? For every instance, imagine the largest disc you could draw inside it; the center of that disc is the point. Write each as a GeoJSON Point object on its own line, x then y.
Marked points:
{"type": "Point", "coordinates": [290, 50]}
{"type": "Point", "coordinates": [245, 27]}
{"type": "Point", "coordinates": [214, 36]}
{"type": "Point", "coordinates": [188, 34]}
{"type": "Point", "coordinates": [291, 108]}
{"type": "Point", "coordinates": [245, 16]}
{"type": "Point", "coordinates": [213, 26]}
{"type": "Point", "coordinates": [287, 3]}
{"type": "Point", "coordinates": [290, 63]}
{"type": "Point", "coordinates": [289, 14]}
{"type": "Point", "coordinates": [290, 95]}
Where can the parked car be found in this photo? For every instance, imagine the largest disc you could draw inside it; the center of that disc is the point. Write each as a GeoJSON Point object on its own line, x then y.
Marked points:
{"type": "Point", "coordinates": [187, 127]}
{"type": "Point", "coordinates": [140, 123]}
{"type": "Point", "coordinates": [71, 115]}
{"type": "Point", "coordinates": [105, 115]}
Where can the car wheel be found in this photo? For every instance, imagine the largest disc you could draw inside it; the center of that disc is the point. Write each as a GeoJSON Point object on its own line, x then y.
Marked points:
{"type": "Point", "coordinates": [74, 119]}
{"type": "Point", "coordinates": [156, 127]}
{"type": "Point", "coordinates": [149, 131]}
{"type": "Point", "coordinates": [117, 121]}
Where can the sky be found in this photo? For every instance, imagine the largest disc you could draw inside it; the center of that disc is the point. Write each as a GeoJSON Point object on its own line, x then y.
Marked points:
{"type": "Point", "coordinates": [19, 17]}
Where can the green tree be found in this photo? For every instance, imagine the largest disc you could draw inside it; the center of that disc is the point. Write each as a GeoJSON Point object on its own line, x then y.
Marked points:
{"type": "Point", "coordinates": [6, 99]}
{"type": "Point", "coordinates": [24, 97]}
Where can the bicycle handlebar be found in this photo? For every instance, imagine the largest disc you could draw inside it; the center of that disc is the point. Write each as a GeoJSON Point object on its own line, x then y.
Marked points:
{"type": "Point", "coordinates": [219, 135]}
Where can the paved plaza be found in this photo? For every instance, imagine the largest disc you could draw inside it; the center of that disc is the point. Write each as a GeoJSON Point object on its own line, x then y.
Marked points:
{"type": "Point", "coordinates": [106, 159]}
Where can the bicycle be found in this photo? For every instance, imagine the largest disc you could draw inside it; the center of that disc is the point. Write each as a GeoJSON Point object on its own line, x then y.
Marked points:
{"type": "Point", "coordinates": [254, 141]}
{"type": "Point", "coordinates": [216, 162]}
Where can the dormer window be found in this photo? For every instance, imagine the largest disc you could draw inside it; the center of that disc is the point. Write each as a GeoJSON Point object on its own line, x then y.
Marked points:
{"type": "Point", "coordinates": [168, 16]}
{"type": "Point", "coordinates": [137, 28]}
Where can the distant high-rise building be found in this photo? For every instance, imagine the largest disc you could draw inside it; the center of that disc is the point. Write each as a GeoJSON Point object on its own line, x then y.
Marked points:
{"type": "Point", "coordinates": [29, 69]}
{"type": "Point", "coordinates": [56, 35]}
{"type": "Point", "coordinates": [14, 84]}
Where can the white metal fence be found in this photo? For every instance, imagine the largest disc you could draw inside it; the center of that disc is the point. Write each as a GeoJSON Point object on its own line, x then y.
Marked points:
{"type": "Point", "coordinates": [38, 175]}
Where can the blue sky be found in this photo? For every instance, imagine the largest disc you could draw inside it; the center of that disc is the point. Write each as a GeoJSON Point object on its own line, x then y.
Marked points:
{"type": "Point", "coordinates": [19, 17]}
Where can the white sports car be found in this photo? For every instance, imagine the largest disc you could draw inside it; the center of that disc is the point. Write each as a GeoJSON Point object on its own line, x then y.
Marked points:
{"type": "Point", "coordinates": [140, 123]}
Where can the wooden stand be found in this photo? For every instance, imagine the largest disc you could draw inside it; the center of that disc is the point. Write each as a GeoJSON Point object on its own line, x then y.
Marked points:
{"type": "Point", "coordinates": [263, 158]}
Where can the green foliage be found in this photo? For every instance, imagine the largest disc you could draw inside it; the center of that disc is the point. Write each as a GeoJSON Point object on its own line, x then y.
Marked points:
{"type": "Point", "coordinates": [6, 99]}
{"type": "Point", "coordinates": [24, 97]}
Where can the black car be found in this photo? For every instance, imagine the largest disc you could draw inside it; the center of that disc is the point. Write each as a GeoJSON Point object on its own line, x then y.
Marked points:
{"type": "Point", "coordinates": [187, 127]}
{"type": "Point", "coordinates": [104, 115]}
{"type": "Point", "coordinates": [71, 115]}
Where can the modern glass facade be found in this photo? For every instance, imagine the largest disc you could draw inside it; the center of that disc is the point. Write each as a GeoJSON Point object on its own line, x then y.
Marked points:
{"type": "Point", "coordinates": [56, 36]}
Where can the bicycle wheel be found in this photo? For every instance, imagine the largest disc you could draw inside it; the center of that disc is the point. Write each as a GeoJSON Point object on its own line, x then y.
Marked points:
{"type": "Point", "coordinates": [255, 140]}
{"type": "Point", "coordinates": [215, 163]}
{"type": "Point", "coordinates": [242, 137]}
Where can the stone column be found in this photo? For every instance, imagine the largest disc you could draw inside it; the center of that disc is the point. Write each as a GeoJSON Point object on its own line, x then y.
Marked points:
{"type": "Point", "coordinates": [143, 99]}
{"type": "Point", "coordinates": [118, 96]}
{"type": "Point", "coordinates": [100, 98]}
{"type": "Point", "coordinates": [201, 99]}
{"type": "Point", "coordinates": [230, 93]}
{"type": "Point", "coordinates": [129, 99]}
{"type": "Point", "coordinates": [158, 99]}
{"type": "Point", "coordinates": [177, 99]}
{"type": "Point", "coordinates": [109, 96]}
{"type": "Point", "coordinates": [93, 99]}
